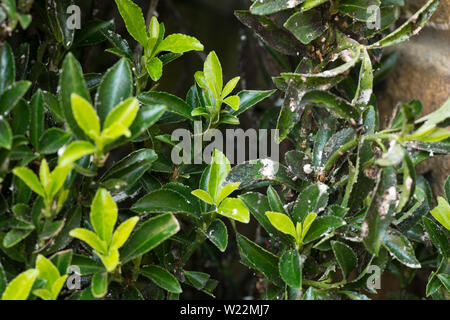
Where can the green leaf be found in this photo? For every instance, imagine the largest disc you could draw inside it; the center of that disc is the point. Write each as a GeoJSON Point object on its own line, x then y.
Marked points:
{"type": "Point", "coordinates": [180, 43]}
{"type": "Point", "coordinates": [15, 236]}
{"type": "Point", "coordinates": [99, 284]}
{"type": "Point", "coordinates": [218, 235]}
{"type": "Point", "coordinates": [381, 211]}
{"type": "Point", "coordinates": [358, 9]}
{"type": "Point", "coordinates": [274, 201]}
{"type": "Point", "coordinates": [321, 226]}
{"type": "Point", "coordinates": [213, 75]}
{"type": "Point", "coordinates": [85, 116]}
{"type": "Point", "coordinates": [62, 260]}
{"type": "Point", "coordinates": [392, 157]}
{"type": "Point", "coordinates": [445, 279]}
{"type": "Point", "coordinates": [172, 103]}
{"type": "Point", "coordinates": [149, 235]}
{"type": "Point", "coordinates": [345, 256]}
{"type": "Point", "coordinates": [103, 215]}
{"type": "Point", "coordinates": [116, 86]}
{"type": "Point", "coordinates": [7, 67]}
{"type": "Point", "coordinates": [437, 236]}
{"type": "Point", "coordinates": [154, 68]}
{"type": "Point", "coordinates": [37, 118]}
{"type": "Point", "coordinates": [6, 136]}
{"type": "Point", "coordinates": [76, 150]}
{"type": "Point", "coordinates": [282, 223]}
{"type": "Point", "coordinates": [197, 279]}
{"type": "Point", "coordinates": [264, 7]}
{"type": "Point", "coordinates": [123, 232]}
{"type": "Point", "coordinates": [87, 265]}
{"type": "Point", "coordinates": [71, 82]}
{"type": "Point", "coordinates": [90, 238]}
{"type": "Point", "coordinates": [12, 95]}
{"type": "Point", "coordinates": [19, 288]}
{"type": "Point", "coordinates": [203, 195]}
{"type": "Point", "coordinates": [134, 20]}
{"type": "Point", "coordinates": [234, 209]}
{"type": "Point", "coordinates": [291, 268]}
{"type": "Point", "coordinates": [160, 201]}
{"type": "Point", "coordinates": [401, 249]}
{"type": "Point", "coordinates": [162, 278]}
{"type": "Point", "coordinates": [30, 179]}
{"type": "Point", "coordinates": [306, 26]}
{"type": "Point", "coordinates": [249, 98]}
{"type": "Point", "coordinates": [442, 212]}
{"type": "Point", "coordinates": [313, 198]}
{"type": "Point", "coordinates": [365, 85]}
{"type": "Point", "coordinates": [3, 280]}
{"type": "Point", "coordinates": [92, 32]}
{"type": "Point", "coordinates": [52, 140]}
{"type": "Point", "coordinates": [255, 257]}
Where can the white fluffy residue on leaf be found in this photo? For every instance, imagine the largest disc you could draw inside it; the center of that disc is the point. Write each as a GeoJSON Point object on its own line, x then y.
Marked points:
{"type": "Point", "coordinates": [322, 188]}
{"type": "Point", "coordinates": [61, 151]}
{"type": "Point", "coordinates": [293, 3]}
{"type": "Point", "coordinates": [307, 168]}
{"type": "Point", "coordinates": [364, 96]}
{"type": "Point", "coordinates": [269, 169]}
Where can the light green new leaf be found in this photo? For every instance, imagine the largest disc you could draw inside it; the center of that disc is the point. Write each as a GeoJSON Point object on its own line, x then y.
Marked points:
{"type": "Point", "coordinates": [123, 114]}
{"type": "Point", "coordinates": [103, 215]}
{"type": "Point", "coordinates": [227, 190]}
{"type": "Point", "coordinates": [154, 68]}
{"type": "Point", "coordinates": [203, 195]}
{"type": "Point", "coordinates": [19, 288]}
{"type": "Point", "coordinates": [58, 178]}
{"type": "Point", "coordinates": [85, 116]}
{"type": "Point", "coordinates": [30, 179]}
{"type": "Point", "coordinates": [134, 20]}
{"type": "Point", "coordinates": [307, 224]}
{"type": "Point", "coordinates": [282, 222]}
{"type": "Point", "coordinates": [233, 102]}
{"type": "Point", "coordinates": [123, 232]}
{"type": "Point", "coordinates": [47, 270]}
{"type": "Point", "coordinates": [90, 238]}
{"type": "Point", "coordinates": [180, 43]}
{"type": "Point", "coordinates": [234, 209]}
{"type": "Point", "coordinates": [220, 167]}
{"type": "Point", "coordinates": [442, 212]}
{"type": "Point", "coordinates": [75, 151]}
{"type": "Point", "coordinates": [45, 176]}
{"type": "Point", "coordinates": [110, 260]}
{"type": "Point", "coordinates": [229, 87]}
{"type": "Point", "coordinates": [213, 75]}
